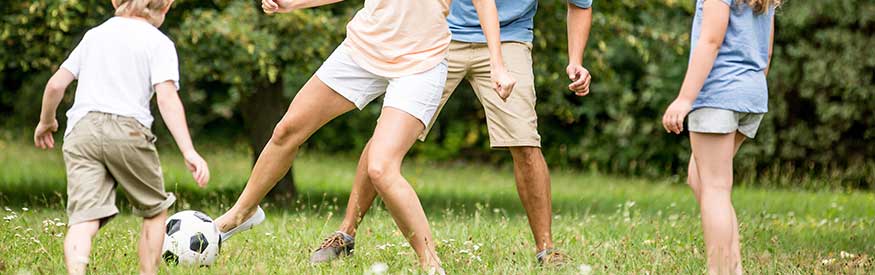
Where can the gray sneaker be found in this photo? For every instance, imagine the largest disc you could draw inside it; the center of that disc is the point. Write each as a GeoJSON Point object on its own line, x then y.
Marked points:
{"type": "Point", "coordinates": [337, 245]}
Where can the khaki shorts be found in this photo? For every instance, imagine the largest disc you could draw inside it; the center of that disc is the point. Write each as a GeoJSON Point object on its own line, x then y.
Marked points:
{"type": "Point", "coordinates": [512, 123]}
{"type": "Point", "coordinates": [105, 150]}
{"type": "Point", "coordinates": [721, 121]}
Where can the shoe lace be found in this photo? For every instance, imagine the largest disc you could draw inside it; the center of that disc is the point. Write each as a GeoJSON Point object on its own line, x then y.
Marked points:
{"type": "Point", "coordinates": [335, 240]}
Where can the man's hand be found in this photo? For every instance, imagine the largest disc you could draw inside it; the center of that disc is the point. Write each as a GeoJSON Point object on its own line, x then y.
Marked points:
{"type": "Point", "coordinates": [198, 168]}
{"type": "Point", "coordinates": [42, 136]}
{"type": "Point", "coordinates": [673, 120]}
{"type": "Point", "coordinates": [580, 79]}
{"type": "Point", "coordinates": [274, 6]}
{"type": "Point", "coordinates": [502, 82]}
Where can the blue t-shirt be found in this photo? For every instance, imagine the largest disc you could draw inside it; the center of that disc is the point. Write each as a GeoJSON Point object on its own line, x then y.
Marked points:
{"type": "Point", "coordinates": [737, 81]}
{"type": "Point", "coordinates": [514, 16]}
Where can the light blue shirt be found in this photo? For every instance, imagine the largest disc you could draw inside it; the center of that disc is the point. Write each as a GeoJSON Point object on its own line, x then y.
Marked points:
{"type": "Point", "coordinates": [737, 81]}
{"type": "Point", "coordinates": [515, 18]}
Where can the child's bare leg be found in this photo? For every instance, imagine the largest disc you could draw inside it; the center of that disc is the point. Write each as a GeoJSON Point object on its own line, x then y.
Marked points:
{"type": "Point", "coordinates": [313, 106]}
{"type": "Point", "coordinates": [712, 154]}
{"type": "Point", "coordinates": [395, 133]}
{"type": "Point", "coordinates": [151, 240]}
{"type": "Point", "coordinates": [77, 245]}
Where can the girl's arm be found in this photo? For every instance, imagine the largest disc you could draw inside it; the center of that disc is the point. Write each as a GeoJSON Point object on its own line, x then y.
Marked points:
{"type": "Point", "coordinates": [715, 20]}
{"type": "Point", "coordinates": [174, 117]}
{"type": "Point", "coordinates": [502, 82]}
{"type": "Point", "coordinates": [579, 25]}
{"type": "Point", "coordinates": [771, 46]}
{"type": "Point", "coordinates": [283, 6]}
{"type": "Point", "coordinates": [48, 124]}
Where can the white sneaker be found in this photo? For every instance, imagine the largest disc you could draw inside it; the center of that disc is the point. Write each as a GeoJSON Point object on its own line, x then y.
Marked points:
{"type": "Point", "coordinates": [256, 219]}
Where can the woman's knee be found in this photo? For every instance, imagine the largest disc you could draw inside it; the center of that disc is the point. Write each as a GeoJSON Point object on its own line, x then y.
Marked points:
{"type": "Point", "coordinates": [286, 132]}
{"type": "Point", "coordinates": [380, 171]}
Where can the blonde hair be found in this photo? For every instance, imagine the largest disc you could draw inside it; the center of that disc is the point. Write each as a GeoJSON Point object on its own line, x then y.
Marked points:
{"type": "Point", "coordinates": [762, 6]}
{"type": "Point", "coordinates": [148, 9]}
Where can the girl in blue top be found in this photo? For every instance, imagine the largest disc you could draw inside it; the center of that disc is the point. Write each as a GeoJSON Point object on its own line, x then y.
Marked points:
{"type": "Point", "coordinates": [725, 94]}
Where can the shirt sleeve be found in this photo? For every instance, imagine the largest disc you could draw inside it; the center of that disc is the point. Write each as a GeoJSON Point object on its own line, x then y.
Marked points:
{"type": "Point", "coordinates": [728, 2]}
{"type": "Point", "coordinates": [164, 65]}
{"type": "Point", "coordinates": [74, 61]}
{"type": "Point", "coordinates": [583, 4]}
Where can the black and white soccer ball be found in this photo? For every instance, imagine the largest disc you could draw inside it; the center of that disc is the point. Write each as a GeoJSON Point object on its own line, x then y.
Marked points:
{"type": "Point", "coordinates": [191, 239]}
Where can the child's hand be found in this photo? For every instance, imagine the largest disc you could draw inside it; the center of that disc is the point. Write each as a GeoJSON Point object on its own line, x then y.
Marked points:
{"type": "Point", "coordinates": [274, 6]}
{"type": "Point", "coordinates": [198, 168]}
{"type": "Point", "coordinates": [673, 120]}
{"type": "Point", "coordinates": [580, 79]}
{"type": "Point", "coordinates": [502, 82]}
{"type": "Point", "coordinates": [42, 136]}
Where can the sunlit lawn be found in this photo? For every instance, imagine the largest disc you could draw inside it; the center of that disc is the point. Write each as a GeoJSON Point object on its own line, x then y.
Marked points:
{"type": "Point", "coordinates": [612, 225]}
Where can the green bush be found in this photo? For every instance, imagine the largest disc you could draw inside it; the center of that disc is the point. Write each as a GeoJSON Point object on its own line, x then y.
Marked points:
{"type": "Point", "coordinates": [822, 83]}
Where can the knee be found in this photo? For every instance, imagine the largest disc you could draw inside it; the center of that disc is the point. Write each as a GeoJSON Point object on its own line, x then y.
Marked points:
{"type": "Point", "coordinates": [285, 132]}
{"type": "Point", "coordinates": [379, 172]}
{"type": "Point", "coordinates": [714, 186]}
{"type": "Point", "coordinates": [525, 152]}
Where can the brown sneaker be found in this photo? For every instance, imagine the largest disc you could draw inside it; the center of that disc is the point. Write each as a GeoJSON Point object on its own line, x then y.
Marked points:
{"type": "Point", "coordinates": [552, 257]}
{"type": "Point", "coordinates": [337, 245]}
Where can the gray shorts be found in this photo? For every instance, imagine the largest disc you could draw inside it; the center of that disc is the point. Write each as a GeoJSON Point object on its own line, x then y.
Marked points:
{"type": "Point", "coordinates": [721, 121]}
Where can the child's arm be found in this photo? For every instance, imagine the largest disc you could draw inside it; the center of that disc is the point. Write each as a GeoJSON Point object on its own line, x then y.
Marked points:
{"type": "Point", "coordinates": [771, 46]}
{"type": "Point", "coordinates": [174, 117]}
{"type": "Point", "coordinates": [502, 82]}
{"type": "Point", "coordinates": [715, 20]}
{"type": "Point", "coordinates": [48, 124]}
{"type": "Point", "coordinates": [579, 25]}
{"type": "Point", "coordinates": [284, 6]}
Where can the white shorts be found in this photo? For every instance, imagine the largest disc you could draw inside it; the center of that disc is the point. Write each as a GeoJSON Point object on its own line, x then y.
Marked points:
{"type": "Point", "coordinates": [418, 94]}
{"type": "Point", "coordinates": [721, 121]}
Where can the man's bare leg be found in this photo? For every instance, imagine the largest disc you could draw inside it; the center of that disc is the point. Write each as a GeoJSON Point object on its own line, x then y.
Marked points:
{"type": "Point", "coordinates": [533, 185]}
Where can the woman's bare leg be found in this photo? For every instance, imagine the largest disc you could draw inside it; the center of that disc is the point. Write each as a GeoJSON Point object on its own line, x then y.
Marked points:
{"type": "Point", "coordinates": [313, 106]}
{"type": "Point", "coordinates": [361, 197]}
{"type": "Point", "coordinates": [710, 177]}
{"type": "Point", "coordinates": [395, 133]}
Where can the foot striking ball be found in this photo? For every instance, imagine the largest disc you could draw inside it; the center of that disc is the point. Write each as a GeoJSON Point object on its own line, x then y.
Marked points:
{"type": "Point", "coordinates": [191, 239]}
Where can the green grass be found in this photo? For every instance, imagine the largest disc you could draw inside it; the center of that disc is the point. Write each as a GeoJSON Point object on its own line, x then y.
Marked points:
{"type": "Point", "coordinates": [615, 225]}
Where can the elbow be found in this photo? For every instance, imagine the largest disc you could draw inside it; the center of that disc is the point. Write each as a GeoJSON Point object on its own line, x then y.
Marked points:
{"type": "Point", "coordinates": [55, 87]}
{"type": "Point", "coordinates": [710, 44]}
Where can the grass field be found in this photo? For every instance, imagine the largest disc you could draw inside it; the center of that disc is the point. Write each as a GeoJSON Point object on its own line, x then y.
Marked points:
{"type": "Point", "coordinates": [609, 224]}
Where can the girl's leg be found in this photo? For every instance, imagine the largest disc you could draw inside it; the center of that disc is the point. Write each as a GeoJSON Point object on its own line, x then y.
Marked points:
{"type": "Point", "coordinates": [151, 240]}
{"type": "Point", "coordinates": [313, 106]}
{"type": "Point", "coordinates": [712, 154]}
{"type": "Point", "coordinates": [77, 245]}
{"type": "Point", "coordinates": [395, 133]}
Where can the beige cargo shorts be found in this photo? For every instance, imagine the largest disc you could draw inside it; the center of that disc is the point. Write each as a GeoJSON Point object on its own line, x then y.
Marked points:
{"type": "Point", "coordinates": [511, 123]}
{"type": "Point", "coordinates": [103, 151]}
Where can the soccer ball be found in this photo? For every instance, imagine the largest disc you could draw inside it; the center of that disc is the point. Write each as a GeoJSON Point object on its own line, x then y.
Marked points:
{"type": "Point", "coordinates": [191, 239]}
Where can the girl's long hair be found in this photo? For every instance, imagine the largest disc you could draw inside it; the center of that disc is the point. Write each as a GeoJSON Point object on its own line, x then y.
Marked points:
{"type": "Point", "coordinates": [762, 6]}
{"type": "Point", "coordinates": [148, 9]}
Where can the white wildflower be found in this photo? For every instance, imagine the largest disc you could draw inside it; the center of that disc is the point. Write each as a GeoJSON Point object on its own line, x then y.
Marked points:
{"type": "Point", "coordinates": [7, 209]}
{"type": "Point", "coordinates": [378, 268]}
{"type": "Point", "coordinates": [845, 255]}
{"type": "Point", "coordinates": [24, 209]}
{"type": "Point", "coordinates": [828, 261]}
{"type": "Point", "coordinates": [585, 269]}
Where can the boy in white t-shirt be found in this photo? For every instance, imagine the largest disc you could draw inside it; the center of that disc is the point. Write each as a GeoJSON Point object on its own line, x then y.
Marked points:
{"type": "Point", "coordinates": [120, 64]}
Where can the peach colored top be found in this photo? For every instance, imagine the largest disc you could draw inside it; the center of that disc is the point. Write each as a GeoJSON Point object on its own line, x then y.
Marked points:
{"type": "Point", "coordinates": [394, 38]}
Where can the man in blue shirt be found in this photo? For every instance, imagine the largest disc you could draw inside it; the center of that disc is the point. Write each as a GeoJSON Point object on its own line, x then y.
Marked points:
{"type": "Point", "coordinates": [512, 123]}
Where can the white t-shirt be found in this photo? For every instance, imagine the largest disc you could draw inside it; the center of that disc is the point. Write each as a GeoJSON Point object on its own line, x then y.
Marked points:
{"type": "Point", "coordinates": [117, 64]}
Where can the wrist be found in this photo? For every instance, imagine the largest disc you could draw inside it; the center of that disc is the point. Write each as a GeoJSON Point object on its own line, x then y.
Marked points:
{"type": "Point", "coordinates": [189, 152]}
